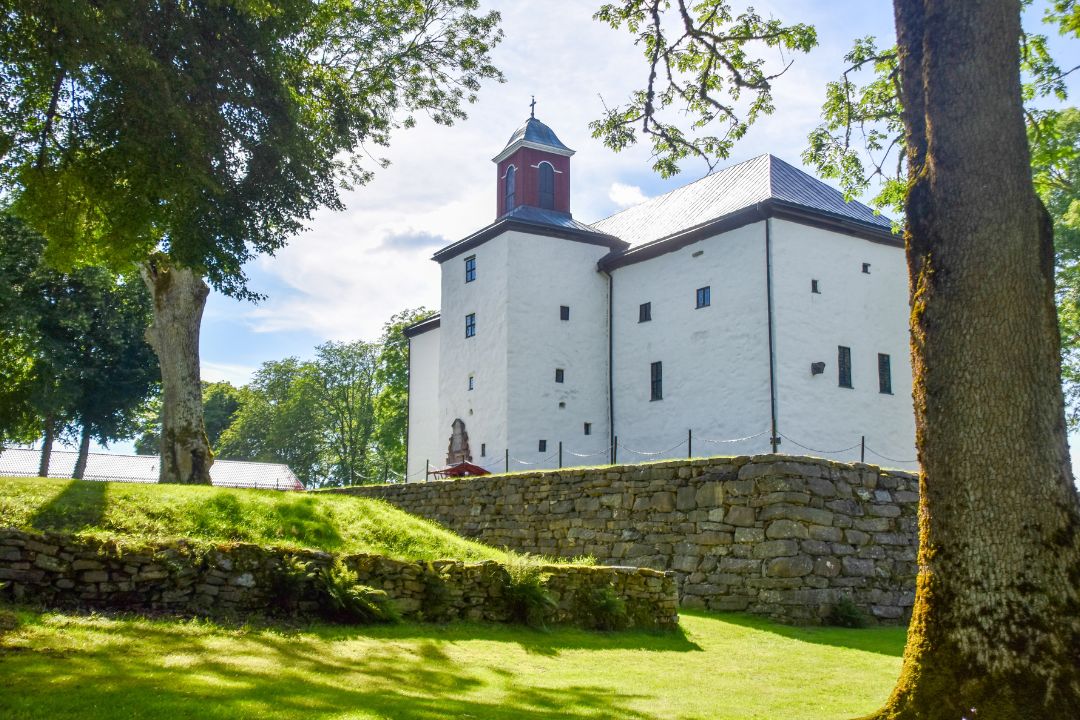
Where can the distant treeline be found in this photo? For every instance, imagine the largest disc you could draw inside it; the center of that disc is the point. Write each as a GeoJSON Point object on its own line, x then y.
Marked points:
{"type": "Point", "coordinates": [337, 419]}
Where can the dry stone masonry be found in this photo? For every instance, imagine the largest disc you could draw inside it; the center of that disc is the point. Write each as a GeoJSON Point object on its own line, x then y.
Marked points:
{"type": "Point", "coordinates": [183, 578]}
{"type": "Point", "coordinates": [776, 535]}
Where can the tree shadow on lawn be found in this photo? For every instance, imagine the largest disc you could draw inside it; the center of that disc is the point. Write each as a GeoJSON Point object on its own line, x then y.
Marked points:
{"type": "Point", "coordinates": [79, 505]}
{"type": "Point", "coordinates": [531, 640]}
{"type": "Point", "coordinates": [881, 640]}
{"type": "Point", "coordinates": [151, 669]}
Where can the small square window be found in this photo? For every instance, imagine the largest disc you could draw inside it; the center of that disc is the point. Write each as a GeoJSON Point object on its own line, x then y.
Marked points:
{"type": "Point", "coordinates": [470, 268]}
{"type": "Point", "coordinates": [483, 449]}
{"type": "Point", "coordinates": [543, 446]}
{"type": "Point", "coordinates": [470, 325]}
{"type": "Point", "coordinates": [644, 312]}
{"type": "Point", "coordinates": [866, 268]}
{"type": "Point", "coordinates": [472, 382]}
{"type": "Point", "coordinates": [562, 405]}
{"type": "Point", "coordinates": [564, 312]}
{"type": "Point", "coordinates": [843, 361]}
{"type": "Point", "coordinates": [559, 375]}
{"type": "Point", "coordinates": [814, 287]}
{"type": "Point", "coordinates": [703, 299]}
{"type": "Point", "coordinates": [656, 378]}
{"type": "Point", "coordinates": [588, 428]}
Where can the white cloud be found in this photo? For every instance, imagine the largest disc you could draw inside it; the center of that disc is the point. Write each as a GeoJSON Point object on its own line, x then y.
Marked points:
{"type": "Point", "coordinates": [626, 195]}
{"type": "Point", "coordinates": [226, 372]}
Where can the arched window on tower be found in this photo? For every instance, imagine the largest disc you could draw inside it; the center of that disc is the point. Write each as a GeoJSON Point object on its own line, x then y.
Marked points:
{"type": "Point", "coordinates": [509, 188]}
{"type": "Point", "coordinates": [547, 186]}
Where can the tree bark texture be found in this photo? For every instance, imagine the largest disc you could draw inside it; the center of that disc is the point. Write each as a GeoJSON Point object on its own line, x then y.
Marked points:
{"type": "Point", "coordinates": [84, 454]}
{"type": "Point", "coordinates": [46, 448]}
{"type": "Point", "coordinates": [179, 298]}
{"type": "Point", "coordinates": [995, 631]}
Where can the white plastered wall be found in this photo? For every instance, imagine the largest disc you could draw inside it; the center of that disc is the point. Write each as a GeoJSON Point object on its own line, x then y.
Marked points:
{"type": "Point", "coordinates": [483, 356]}
{"type": "Point", "coordinates": [424, 443]}
{"type": "Point", "coordinates": [867, 312]}
{"type": "Point", "coordinates": [715, 359]}
{"type": "Point", "coordinates": [548, 273]}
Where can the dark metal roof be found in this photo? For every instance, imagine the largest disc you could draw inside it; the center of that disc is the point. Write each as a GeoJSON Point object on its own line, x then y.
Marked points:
{"type": "Point", "coordinates": [537, 221]}
{"type": "Point", "coordinates": [761, 179]}
{"type": "Point", "coordinates": [537, 132]}
{"type": "Point", "coordinates": [422, 326]}
{"type": "Point", "coordinates": [539, 216]}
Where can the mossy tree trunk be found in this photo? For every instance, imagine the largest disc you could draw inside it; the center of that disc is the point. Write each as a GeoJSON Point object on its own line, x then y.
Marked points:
{"type": "Point", "coordinates": [179, 296]}
{"type": "Point", "coordinates": [84, 454]}
{"type": "Point", "coordinates": [996, 626]}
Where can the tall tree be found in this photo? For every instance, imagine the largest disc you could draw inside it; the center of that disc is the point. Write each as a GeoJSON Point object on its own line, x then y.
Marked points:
{"type": "Point", "coordinates": [80, 365]}
{"type": "Point", "coordinates": [189, 137]}
{"type": "Point", "coordinates": [344, 376]}
{"type": "Point", "coordinates": [392, 404]}
{"type": "Point", "coordinates": [996, 626]}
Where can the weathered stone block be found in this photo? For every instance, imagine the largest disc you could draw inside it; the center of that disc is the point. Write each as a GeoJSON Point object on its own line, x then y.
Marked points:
{"type": "Point", "coordinates": [776, 548]}
{"type": "Point", "coordinates": [855, 567]}
{"type": "Point", "coordinates": [749, 534]}
{"type": "Point", "coordinates": [788, 567]}
{"type": "Point", "coordinates": [778, 529]}
{"type": "Point", "coordinates": [740, 516]}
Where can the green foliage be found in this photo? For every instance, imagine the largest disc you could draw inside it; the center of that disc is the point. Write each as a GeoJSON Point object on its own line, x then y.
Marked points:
{"type": "Point", "coordinates": [526, 593]}
{"type": "Point", "coordinates": [335, 523]}
{"type": "Point", "coordinates": [392, 402]}
{"type": "Point", "coordinates": [344, 599]}
{"type": "Point", "coordinates": [213, 130]}
{"type": "Point", "coordinates": [602, 608]}
{"type": "Point", "coordinates": [705, 63]}
{"type": "Point", "coordinates": [845, 613]}
{"type": "Point", "coordinates": [289, 582]}
{"type": "Point", "coordinates": [75, 356]}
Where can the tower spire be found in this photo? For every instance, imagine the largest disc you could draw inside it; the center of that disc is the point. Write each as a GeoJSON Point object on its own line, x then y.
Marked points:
{"type": "Point", "coordinates": [532, 107]}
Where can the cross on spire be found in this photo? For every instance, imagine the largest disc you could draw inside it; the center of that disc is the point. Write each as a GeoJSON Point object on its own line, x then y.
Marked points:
{"type": "Point", "coordinates": [532, 107]}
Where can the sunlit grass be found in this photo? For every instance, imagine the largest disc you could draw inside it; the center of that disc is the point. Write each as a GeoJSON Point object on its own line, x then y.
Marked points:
{"type": "Point", "coordinates": [136, 512]}
{"type": "Point", "coordinates": [62, 666]}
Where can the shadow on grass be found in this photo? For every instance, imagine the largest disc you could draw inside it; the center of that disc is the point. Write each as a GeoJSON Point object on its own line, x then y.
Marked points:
{"type": "Point", "coordinates": [537, 642]}
{"type": "Point", "coordinates": [159, 670]}
{"type": "Point", "coordinates": [80, 505]}
{"type": "Point", "coordinates": [303, 520]}
{"type": "Point", "coordinates": [883, 641]}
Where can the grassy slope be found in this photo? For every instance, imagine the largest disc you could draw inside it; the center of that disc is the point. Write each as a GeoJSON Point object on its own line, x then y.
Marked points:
{"type": "Point", "coordinates": [59, 666]}
{"type": "Point", "coordinates": [152, 512]}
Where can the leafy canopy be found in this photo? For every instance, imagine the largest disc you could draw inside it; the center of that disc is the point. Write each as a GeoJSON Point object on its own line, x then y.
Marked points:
{"type": "Point", "coordinates": [212, 129]}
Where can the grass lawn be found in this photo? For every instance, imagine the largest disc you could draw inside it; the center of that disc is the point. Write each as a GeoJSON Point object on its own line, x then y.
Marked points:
{"type": "Point", "coordinates": [336, 523]}
{"type": "Point", "coordinates": [60, 666]}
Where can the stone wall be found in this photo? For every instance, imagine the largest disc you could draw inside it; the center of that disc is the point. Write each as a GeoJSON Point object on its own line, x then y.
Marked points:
{"type": "Point", "coordinates": [234, 580]}
{"type": "Point", "coordinates": [776, 535]}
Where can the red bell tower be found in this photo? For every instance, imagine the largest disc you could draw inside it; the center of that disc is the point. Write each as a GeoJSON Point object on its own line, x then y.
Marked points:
{"type": "Point", "coordinates": [533, 170]}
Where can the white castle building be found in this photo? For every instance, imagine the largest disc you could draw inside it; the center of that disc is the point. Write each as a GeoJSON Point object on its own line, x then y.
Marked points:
{"type": "Point", "coordinates": [753, 310]}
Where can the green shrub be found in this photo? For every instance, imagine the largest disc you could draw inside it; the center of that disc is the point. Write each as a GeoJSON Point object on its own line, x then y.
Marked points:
{"type": "Point", "coordinates": [344, 599]}
{"type": "Point", "coordinates": [602, 609]}
{"type": "Point", "coordinates": [288, 584]}
{"type": "Point", "coordinates": [527, 599]}
{"type": "Point", "coordinates": [845, 613]}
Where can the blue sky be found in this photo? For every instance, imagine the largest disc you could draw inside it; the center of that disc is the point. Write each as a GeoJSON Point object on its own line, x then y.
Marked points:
{"type": "Point", "coordinates": [345, 276]}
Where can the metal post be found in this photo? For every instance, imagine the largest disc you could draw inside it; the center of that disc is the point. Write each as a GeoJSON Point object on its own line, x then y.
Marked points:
{"type": "Point", "coordinates": [689, 443]}
{"type": "Point", "coordinates": [560, 454]}
{"type": "Point", "coordinates": [427, 470]}
{"type": "Point", "coordinates": [862, 449]}
{"type": "Point", "coordinates": [506, 461]}
{"type": "Point", "coordinates": [615, 451]}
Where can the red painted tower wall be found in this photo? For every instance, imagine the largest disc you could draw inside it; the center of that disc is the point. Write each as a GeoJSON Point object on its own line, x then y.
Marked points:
{"type": "Point", "coordinates": [527, 190]}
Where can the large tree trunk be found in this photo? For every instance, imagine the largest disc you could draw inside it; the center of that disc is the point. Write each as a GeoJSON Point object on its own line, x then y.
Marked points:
{"type": "Point", "coordinates": [179, 298]}
{"type": "Point", "coordinates": [84, 454]}
{"type": "Point", "coordinates": [46, 447]}
{"type": "Point", "coordinates": [996, 626]}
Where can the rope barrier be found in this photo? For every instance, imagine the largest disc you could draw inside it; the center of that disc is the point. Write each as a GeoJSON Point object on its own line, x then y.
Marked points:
{"type": "Point", "coordinates": [605, 451]}
{"type": "Point", "coordinates": [652, 454]}
{"type": "Point", "coordinates": [826, 452]}
{"type": "Point", "coordinates": [886, 457]}
{"type": "Point", "coordinates": [742, 439]}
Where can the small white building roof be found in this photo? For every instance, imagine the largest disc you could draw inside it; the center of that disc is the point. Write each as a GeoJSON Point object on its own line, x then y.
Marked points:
{"type": "Point", "coordinates": [144, 469]}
